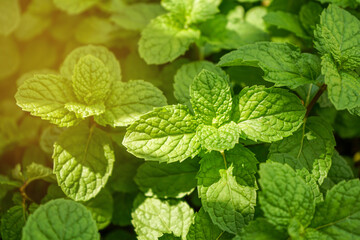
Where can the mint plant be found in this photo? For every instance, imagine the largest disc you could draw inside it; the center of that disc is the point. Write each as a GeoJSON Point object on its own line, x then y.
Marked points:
{"type": "Point", "coordinates": [244, 125]}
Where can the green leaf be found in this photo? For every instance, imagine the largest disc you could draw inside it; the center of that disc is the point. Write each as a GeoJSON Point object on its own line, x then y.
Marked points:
{"type": "Point", "coordinates": [285, 195]}
{"type": "Point", "coordinates": [83, 161]}
{"type": "Point", "coordinates": [9, 57]}
{"type": "Point", "coordinates": [338, 217]}
{"type": "Point", "coordinates": [342, 3]}
{"type": "Point", "coordinates": [31, 25]}
{"type": "Point", "coordinates": [228, 194]}
{"type": "Point", "coordinates": [8, 133]}
{"type": "Point", "coordinates": [60, 219]}
{"type": "Point", "coordinates": [96, 30]}
{"type": "Point", "coordinates": [166, 134]}
{"type": "Point", "coordinates": [230, 205]}
{"type": "Point", "coordinates": [174, 180]}
{"type": "Point", "coordinates": [128, 101]}
{"type": "Point", "coordinates": [165, 39]}
{"type": "Point", "coordinates": [211, 98]}
{"type": "Point", "coordinates": [9, 16]}
{"type": "Point", "coordinates": [12, 223]}
{"type": "Point", "coordinates": [136, 16]}
{"type": "Point", "coordinates": [310, 16]}
{"type": "Point", "coordinates": [36, 171]}
{"type": "Point", "coordinates": [343, 87]}
{"type": "Point", "coordinates": [204, 229]}
{"type": "Point", "coordinates": [185, 76]}
{"type": "Point", "coordinates": [311, 180]}
{"type": "Point", "coordinates": [91, 80]}
{"type": "Point", "coordinates": [339, 171]}
{"type": "Point", "coordinates": [309, 148]}
{"type": "Point", "coordinates": [83, 110]}
{"type": "Point", "coordinates": [100, 52]}
{"type": "Point", "coordinates": [218, 139]}
{"type": "Point", "coordinates": [193, 10]}
{"type": "Point", "coordinates": [101, 208]}
{"type": "Point", "coordinates": [287, 21]}
{"type": "Point", "coordinates": [229, 32]}
{"type": "Point", "coordinates": [261, 229]}
{"type": "Point", "coordinates": [74, 6]}
{"type": "Point", "coordinates": [153, 218]}
{"type": "Point", "coordinates": [338, 34]}
{"type": "Point", "coordinates": [45, 96]}
{"type": "Point", "coordinates": [282, 63]}
{"type": "Point", "coordinates": [48, 137]}
{"type": "Point", "coordinates": [269, 114]}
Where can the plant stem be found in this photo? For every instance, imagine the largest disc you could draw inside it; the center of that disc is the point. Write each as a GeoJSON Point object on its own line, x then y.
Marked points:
{"type": "Point", "coordinates": [223, 155]}
{"type": "Point", "coordinates": [24, 196]}
{"type": "Point", "coordinates": [314, 100]}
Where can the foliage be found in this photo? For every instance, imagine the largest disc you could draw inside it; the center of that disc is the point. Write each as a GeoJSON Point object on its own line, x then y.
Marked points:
{"type": "Point", "coordinates": [179, 119]}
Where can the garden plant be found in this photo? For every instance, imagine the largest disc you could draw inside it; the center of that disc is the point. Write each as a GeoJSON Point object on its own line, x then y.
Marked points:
{"type": "Point", "coordinates": [179, 119]}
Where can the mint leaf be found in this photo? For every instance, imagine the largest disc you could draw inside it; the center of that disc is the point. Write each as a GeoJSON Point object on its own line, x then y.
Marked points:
{"type": "Point", "coordinates": [83, 161]}
{"type": "Point", "coordinates": [165, 39]}
{"type": "Point", "coordinates": [96, 30]}
{"type": "Point", "coordinates": [339, 171]}
{"type": "Point", "coordinates": [338, 35]}
{"type": "Point", "coordinates": [91, 80]}
{"type": "Point", "coordinates": [204, 229]}
{"type": "Point", "coordinates": [343, 87]}
{"type": "Point", "coordinates": [285, 195]}
{"type": "Point", "coordinates": [338, 216]}
{"type": "Point", "coordinates": [260, 228]}
{"type": "Point", "coordinates": [128, 101]}
{"type": "Point", "coordinates": [166, 134]}
{"type": "Point", "coordinates": [211, 98]}
{"type": "Point", "coordinates": [48, 137]}
{"type": "Point", "coordinates": [174, 180]}
{"type": "Point", "coordinates": [310, 180]}
{"type": "Point", "coordinates": [185, 76]}
{"type": "Point", "coordinates": [6, 185]}
{"type": "Point", "coordinates": [218, 139]}
{"type": "Point", "coordinates": [136, 16]}
{"type": "Point", "coordinates": [45, 96]}
{"type": "Point", "coordinates": [282, 63]}
{"type": "Point", "coordinates": [309, 148]}
{"type": "Point", "coordinates": [12, 223]}
{"type": "Point", "coordinates": [310, 16]}
{"type": "Point", "coordinates": [101, 208]}
{"type": "Point", "coordinates": [193, 11]}
{"type": "Point", "coordinates": [36, 171]}
{"type": "Point", "coordinates": [74, 6]}
{"type": "Point", "coordinates": [100, 52]}
{"type": "Point", "coordinates": [342, 3]}
{"type": "Point", "coordinates": [165, 215]}
{"type": "Point", "coordinates": [269, 114]}
{"type": "Point", "coordinates": [83, 110]}
{"type": "Point", "coordinates": [228, 194]}
{"type": "Point", "coordinates": [287, 21]}
{"type": "Point", "coordinates": [9, 16]}
{"type": "Point", "coordinates": [60, 219]}
{"type": "Point", "coordinates": [9, 58]}
{"type": "Point", "coordinates": [225, 198]}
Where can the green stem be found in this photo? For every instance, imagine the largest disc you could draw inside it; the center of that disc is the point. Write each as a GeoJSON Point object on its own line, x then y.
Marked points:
{"type": "Point", "coordinates": [223, 155]}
